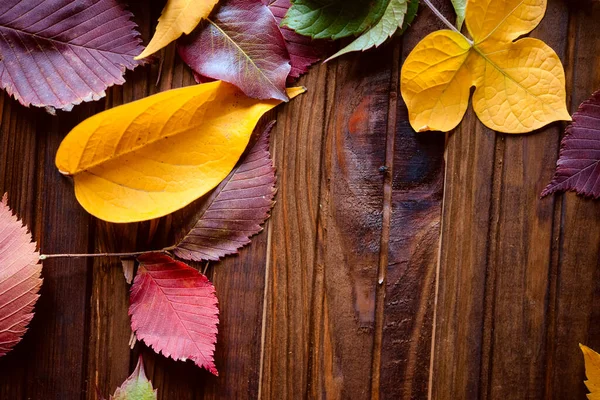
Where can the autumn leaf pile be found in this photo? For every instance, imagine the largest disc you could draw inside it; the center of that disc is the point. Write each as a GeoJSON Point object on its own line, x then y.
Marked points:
{"type": "Point", "coordinates": [151, 157]}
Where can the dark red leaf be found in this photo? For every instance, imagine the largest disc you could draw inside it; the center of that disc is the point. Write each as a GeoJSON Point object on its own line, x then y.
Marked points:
{"type": "Point", "coordinates": [173, 309]}
{"type": "Point", "coordinates": [303, 50]}
{"type": "Point", "coordinates": [58, 53]}
{"type": "Point", "coordinates": [20, 279]}
{"type": "Point", "coordinates": [241, 44]}
{"type": "Point", "coordinates": [236, 210]}
{"type": "Point", "coordinates": [578, 167]}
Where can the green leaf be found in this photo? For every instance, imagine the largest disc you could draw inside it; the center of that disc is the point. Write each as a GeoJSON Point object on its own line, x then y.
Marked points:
{"type": "Point", "coordinates": [136, 387]}
{"type": "Point", "coordinates": [411, 13]}
{"type": "Point", "coordinates": [333, 19]}
{"type": "Point", "coordinates": [460, 6]}
{"type": "Point", "coordinates": [392, 19]}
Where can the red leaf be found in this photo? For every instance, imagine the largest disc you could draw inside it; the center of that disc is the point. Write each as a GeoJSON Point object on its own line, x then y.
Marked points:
{"type": "Point", "coordinates": [237, 209]}
{"type": "Point", "coordinates": [173, 309]}
{"type": "Point", "coordinates": [20, 279]}
{"type": "Point", "coordinates": [241, 44]}
{"type": "Point", "coordinates": [578, 167]}
{"type": "Point", "coordinates": [58, 53]}
{"type": "Point", "coordinates": [304, 51]}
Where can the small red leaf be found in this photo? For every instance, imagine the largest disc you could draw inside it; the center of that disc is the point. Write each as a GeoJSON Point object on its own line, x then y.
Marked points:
{"type": "Point", "coordinates": [237, 210]}
{"type": "Point", "coordinates": [20, 279]}
{"type": "Point", "coordinates": [578, 167]}
{"type": "Point", "coordinates": [304, 51]}
{"type": "Point", "coordinates": [173, 309]}
{"type": "Point", "coordinates": [241, 44]}
{"type": "Point", "coordinates": [59, 53]}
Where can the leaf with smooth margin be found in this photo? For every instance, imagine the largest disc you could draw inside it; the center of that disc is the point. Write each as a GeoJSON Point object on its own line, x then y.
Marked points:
{"type": "Point", "coordinates": [59, 53]}
{"type": "Point", "coordinates": [136, 386]}
{"type": "Point", "coordinates": [240, 43]}
{"type": "Point", "coordinates": [592, 371]}
{"type": "Point", "coordinates": [236, 210]}
{"type": "Point", "coordinates": [174, 310]}
{"type": "Point", "coordinates": [460, 7]}
{"type": "Point", "coordinates": [519, 85]}
{"type": "Point", "coordinates": [578, 166]}
{"type": "Point", "coordinates": [177, 18]}
{"type": "Point", "coordinates": [20, 279]}
{"type": "Point", "coordinates": [150, 157]}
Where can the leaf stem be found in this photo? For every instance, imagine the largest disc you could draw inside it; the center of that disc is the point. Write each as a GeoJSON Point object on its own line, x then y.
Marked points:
{"type": "Point", "coordinates": [445, 21]}
{"type": "Point", "coordinates": [132, 254]}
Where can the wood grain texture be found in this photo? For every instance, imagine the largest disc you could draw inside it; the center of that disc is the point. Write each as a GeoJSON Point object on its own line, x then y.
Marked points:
{"type": "Point", "coordinates": [396, 265]}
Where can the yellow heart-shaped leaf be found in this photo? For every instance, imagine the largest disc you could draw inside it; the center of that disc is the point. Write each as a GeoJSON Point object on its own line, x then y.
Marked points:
{"type": "Point", "coordinates": [520, 86]}
{"type": "Point", "coordinates": [178, 17]}
{"type": "Point", "coordinates": [148, 158]}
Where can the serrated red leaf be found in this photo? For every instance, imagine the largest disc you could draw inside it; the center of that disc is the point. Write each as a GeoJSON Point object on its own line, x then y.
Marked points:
{"type": "Point", "coordinates": [578, 166]}
{"type": "Point", "coordinates": [58, 53]}
{"type": "Point", "coordinates": [304, 51]}
{"type": "Point", "coordinates": [173, 309]}
{"type": "Point", "coordinates": [20, 279]}
{"type": "Point", "coordinates": [240, 43]}
{"type": "Point", "coordinates": [237, 208]}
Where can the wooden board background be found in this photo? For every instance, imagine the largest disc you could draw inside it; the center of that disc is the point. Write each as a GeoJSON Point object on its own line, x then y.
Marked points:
{"type": "Point", "coordinates": [445, 276]}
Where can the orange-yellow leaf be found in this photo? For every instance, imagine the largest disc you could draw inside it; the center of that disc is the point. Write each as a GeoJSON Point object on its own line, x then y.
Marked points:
{"type": "Point", "coordinates": [178, 17]}
{"type": "Point", "coordinates": [520, 85]}
{"type": "Point", "coordinates": [592, 371]}
{"type": "Point", "coordinates": [148, 158]}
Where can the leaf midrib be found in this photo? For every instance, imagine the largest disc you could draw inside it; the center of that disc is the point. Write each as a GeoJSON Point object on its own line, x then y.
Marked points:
{"type": "Point", "coordinates": [272, 84]}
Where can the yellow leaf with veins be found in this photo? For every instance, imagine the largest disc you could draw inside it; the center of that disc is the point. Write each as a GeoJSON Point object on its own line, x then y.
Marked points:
{"type": "Point", "coordinates": [153, 156]}
{"type": "Point", "coordinates": [592, 371]}
{"type": "Point", "coordinates": [519, 85]}
{"type": "Point", "coordinates": [178, 17]}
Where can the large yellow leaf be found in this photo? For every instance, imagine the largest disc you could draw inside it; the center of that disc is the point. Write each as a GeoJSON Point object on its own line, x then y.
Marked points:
{"type": "Point", "coordinates": [178, 17]}
{"type": "Point", "coordinates": [592, 371]}
{"type": "Point", "coordinates": [148, 158]}
{"type": "Point", "coordinates": [520, 85]}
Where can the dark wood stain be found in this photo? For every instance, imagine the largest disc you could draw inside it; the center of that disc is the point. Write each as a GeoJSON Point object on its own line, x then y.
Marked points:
{"type": "Point", "coordinates": [396, 265]}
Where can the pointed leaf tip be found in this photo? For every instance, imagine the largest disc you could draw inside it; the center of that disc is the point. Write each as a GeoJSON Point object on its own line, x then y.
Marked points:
{"type": "Point", "coordinates": [237, 209]}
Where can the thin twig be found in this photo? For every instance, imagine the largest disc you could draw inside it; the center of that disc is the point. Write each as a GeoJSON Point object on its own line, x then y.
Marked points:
{"type": "Point", "coordinates": [445, 21]}
{"type": "Point", "coordinates": [133, 254]}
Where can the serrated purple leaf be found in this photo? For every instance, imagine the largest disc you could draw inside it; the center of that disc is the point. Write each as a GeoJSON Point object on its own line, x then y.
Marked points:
{"type": "Point", "coordinates": [240, 43]}
{"type": "Point", "coordinates": [578, 166]}
{"type": "Point", "coordinates": [58, 53]}
{"type": "Point", "coordinates": [238, 209]}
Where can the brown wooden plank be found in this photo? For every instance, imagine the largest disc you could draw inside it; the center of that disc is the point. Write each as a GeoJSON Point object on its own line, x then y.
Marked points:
{"type": "Point", "coordinates": [416, 200]}
{"type": "Point", "coordinates": [577, 240]}
{"type": "Point", "coordinates": [495, 267]}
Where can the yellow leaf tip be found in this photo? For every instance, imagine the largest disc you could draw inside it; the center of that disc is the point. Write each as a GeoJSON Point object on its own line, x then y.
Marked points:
{"type": "Point", "coordinates": [295, 91]}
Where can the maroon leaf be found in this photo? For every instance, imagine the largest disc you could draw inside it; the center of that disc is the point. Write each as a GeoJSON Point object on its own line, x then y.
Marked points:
{"type": "Point", "coordinates": [303, 50]}
{"type": "Point", "coordinates": [237, 209]}
{"type": "Point", "coordinates": [59, 53]}
{"type": "Point", "coordinates": [578, 167]}
{"type": "Point", "coordinates": [20, 279]}
{"type": "Point", "coordinates": [240, 43]}
{"type": "Point", "coordinates": [173, 309]}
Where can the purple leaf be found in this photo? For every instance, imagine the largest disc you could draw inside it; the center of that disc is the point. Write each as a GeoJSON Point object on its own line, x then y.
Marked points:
{"type": "Point", "coordinates": [241, 44]}
{"type": "Point", "coordinates": [58, 53]}
{"type": "Point", "coordinates": [303, 50]}
{"type": "Point", "coordinates": [578, 167]}
{"type": "Point", "coordinates": [238, 208]}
